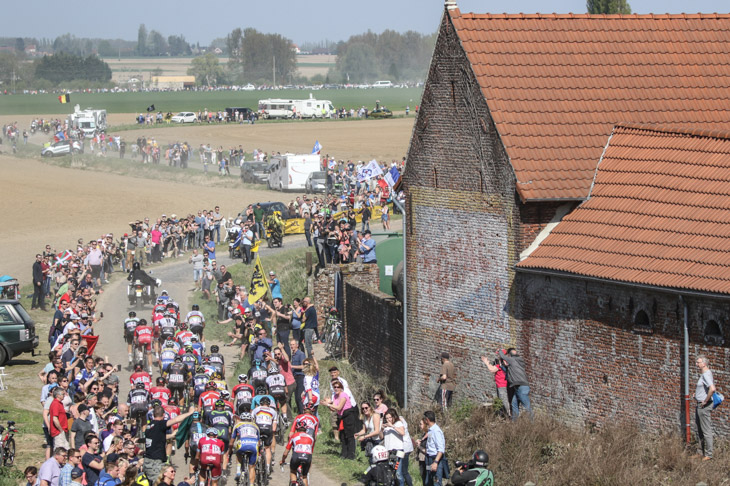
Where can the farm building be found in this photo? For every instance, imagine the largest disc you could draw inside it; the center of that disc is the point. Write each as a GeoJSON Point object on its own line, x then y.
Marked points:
{"type": "Point", "coordinates": [531, 225]}
{"type": "Point", "coordinates": [172, 82]}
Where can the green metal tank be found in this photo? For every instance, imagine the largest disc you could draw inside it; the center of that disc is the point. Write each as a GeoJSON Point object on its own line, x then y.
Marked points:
{"type": "Point", "coordinates": [389, 253]}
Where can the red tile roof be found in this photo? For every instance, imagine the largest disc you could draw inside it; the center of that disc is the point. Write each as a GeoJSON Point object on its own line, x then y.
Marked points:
{"type": "Point", "coordinates": [557, 84]}
{"type": "Point", "coordinates": [658, 213]}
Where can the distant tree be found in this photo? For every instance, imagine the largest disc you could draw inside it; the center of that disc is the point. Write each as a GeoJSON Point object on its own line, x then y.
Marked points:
{"type": "Point", "coordinates": [156, 44]}
{"type": "Point", "coordinates": [142, 40]}
{"type": "Point", "coordinates": [63, 67]}
{"type": "Point", "coordinates": [359, 62]}
{"type": "Point", "coordinates": [105, 49]}
{"type": "Point", "coordinates": [156, 72]}
{"type": "Point", "coordinates": [251, 56]}
{"type": "Point", "coordinates": [608, 7]}
{"type": "Point", "coordinates": [234, 48]}
{"type": "Point", "coordinates": [207, 70]}
{"type": "Point", "coordinates": [178, 45]}
{"type": "Point", "coordinates": [20, 45]}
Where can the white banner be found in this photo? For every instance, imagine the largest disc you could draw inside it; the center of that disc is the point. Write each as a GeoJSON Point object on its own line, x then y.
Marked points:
{"type": "Point", "coordinates": [369, 171]}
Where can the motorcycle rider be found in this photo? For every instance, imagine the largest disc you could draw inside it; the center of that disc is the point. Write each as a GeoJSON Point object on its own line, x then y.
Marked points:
{"type": "Point", "coordinates": [130, 324]}
{"type": "Point", "coordinates": [474, 472]}
{"type": "Point", "coordinates": [138, 274]}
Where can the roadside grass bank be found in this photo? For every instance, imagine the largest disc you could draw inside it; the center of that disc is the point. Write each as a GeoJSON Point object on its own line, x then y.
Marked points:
{"type": "Point", "coordinates": [112, 164]}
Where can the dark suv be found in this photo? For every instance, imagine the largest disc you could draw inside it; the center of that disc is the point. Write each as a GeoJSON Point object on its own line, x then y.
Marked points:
{"type": "Point", "coordinates": [254, 172]}
{"type": "Point", "coordinates": [17, 331]}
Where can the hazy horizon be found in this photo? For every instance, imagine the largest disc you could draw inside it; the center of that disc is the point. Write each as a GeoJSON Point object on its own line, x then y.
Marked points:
{"type": "Point", "coordinates": [313, 21]}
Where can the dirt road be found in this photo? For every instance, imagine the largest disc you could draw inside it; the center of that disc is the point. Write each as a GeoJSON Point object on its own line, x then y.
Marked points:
{"type": "Point", "coordinates": [176, 279]}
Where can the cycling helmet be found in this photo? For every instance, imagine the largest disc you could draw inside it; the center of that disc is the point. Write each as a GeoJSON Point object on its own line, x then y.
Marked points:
{"type": "Point", "coordinates": [210, 386]}
{"type": "Point", "coordinates": [178, 358]}
{"type": "Point", "coordinates": [242, 378]}
{"type": "Point", "coordinates": [194, 338]}
{"type": "Point", "coordinates": [379, 453]}
{"type": "Point", "coordinates": [138, 367]}
{"type": "Point", "coordinates": [265, 401]}
{"type": "Point", "coordinates": [200, 369]}
{"type": "Point", "coordinates": [273, 369]}
{"type": "Point", "coordinates": [188, 348]}
{"type": "Point", "coordinates": [156, 402]}
{"type": "Point", "coordinates": [183, 326]}
{"type": "Point", "coordinates": [246, 416]}
{"type": "Point", "coordinates": [172, 401]}
{"type": "Point", "coordinates": [261, 390]}
{"type": "Point", "coordinates": [333, 310]}
{"type": "Point", "coordinates": [211, 431]}
{"type": "Point", "coordinates": [132, 314]}
{"type": "Point", "coordinates": [206, 360]}
{"type": "Point", "coordinates": [225, 394]}
{"type": "Point", "coordinates": [142, 322]}
{"type": "Point", "coordinates": [309, 407]}
{"type": "Point", "coordinates": [256, 363]}
{"type": "Point", "coordinates": [169, 314]}
{"type": "Point", "coordinates": [196, 307]}
{"type": "Point", "coordinates": [300, 424]}
{"type": "Point", "coordinates": [480, 459]}
{"type": "Point", "coordinates": [214, 349]}
{"type": "Point", "coordinates": [160, 301]}
{"type": "Point", "coordinates": [164, 292]}
{"type": "Point", "coordinates": [216, 375]}
{"type": "Point", "coordinates": [139, 385]}
{"type": "Point", "coordinates": [196, 415]}
{"type": "Point", "coordinates": [135, 266]}
{"type": "Point", "coordinates": [220, 403]}
{"type": "Point", "coordinates": [160, 381]}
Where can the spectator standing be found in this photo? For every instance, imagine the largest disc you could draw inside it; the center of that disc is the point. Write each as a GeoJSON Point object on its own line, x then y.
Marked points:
{"type": "Point", "coordinates": [346, 411]}
{"type": "Point", "coordinates": [500, 380]}
{"type": "Point", "coordinates": [447, 380]}
{"type": "Point", "coordinates": [80, 427]}
{"type": "Point", "coordinates": [297, 366]}
{"type": "Point", "coordinates": [216, 224]}
{"type": "Point", "coordinates": [367, 247]}
{"type": "Point", "coordinates": [92, 461]}
{"type": "Point", "coordinates": [436, 465]}
{"type": "Point", "coordinates": [50, 471]}
{"type": "Point", "coordinates": [517, 381]}
{"type": "Point", "coordinates": [310, 324]}
{"type": "Point", "coordinates": [155, 453]}
{"type": "Point", "coordinates": [703, 395]}
{"type": "Point", "coordinates": [38, 280]}
{"type": "Point", "coordinates": [275, 286]}
{"type": "Point", "coordinates": [209, 246]}
{"type": "Point", "coordinates": [73, 462]}
{"type": "Point", "coordinates": [140, 249]}
{"type": "Point", "coordinates": [57, 420]}
{"type": "Point", "coordinates": [258, 217]}
{"type": "Point", "coordinates": [197, 261]}
{"type": "Point", "coordinates": [308, 228]}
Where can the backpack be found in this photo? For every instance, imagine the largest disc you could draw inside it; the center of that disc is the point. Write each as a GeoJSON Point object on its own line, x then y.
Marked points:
{"type": "Point", "coordinates": [142, 480]}
{"type": "Point", "coordinates": [485, 478]}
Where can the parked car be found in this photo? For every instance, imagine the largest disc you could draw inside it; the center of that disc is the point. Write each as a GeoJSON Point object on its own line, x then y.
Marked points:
{"type": "Point", "coordinates": [17, 331]}
{"type": "Point", "coordinates": [249, 87]}
{"type": "Point", "coordinates": [269, 207]}
{"type": "Point", "coordinates": [381, 113]}
{"type": "Point", "coordinates": [254, 172]}
{"type": "Point", "coordinates": [62, 147]}
{"type": "Point", "coordinates": [316, 182]}
{"type": "Point", "coordinates": [383, 84]}
{"type": "Point", "coordinates": [184, 117]}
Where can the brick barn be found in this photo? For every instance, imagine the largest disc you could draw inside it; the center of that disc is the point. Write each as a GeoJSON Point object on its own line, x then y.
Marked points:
{"type": "Point", "coordinates": [516, 114]}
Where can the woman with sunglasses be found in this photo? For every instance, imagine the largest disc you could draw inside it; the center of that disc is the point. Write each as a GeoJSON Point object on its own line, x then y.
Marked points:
{"type": "Point", "coordinates": [340, 403]}
{"type": "Point", "coordinates": [369, 435]}
{"type": "Point", "coordinates": [380, 406]}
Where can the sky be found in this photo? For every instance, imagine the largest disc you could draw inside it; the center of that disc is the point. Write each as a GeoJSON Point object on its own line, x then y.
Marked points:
{"type": "Point", "coordinates": [301, 21]}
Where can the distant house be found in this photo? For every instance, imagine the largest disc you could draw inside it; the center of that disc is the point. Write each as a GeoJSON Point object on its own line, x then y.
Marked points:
{"type": "Point", "coordinates": [516, 115]}
{"type": "Point", "coordinates": [30, 50]}
{"type": "Point", "coordinates": [172, 82]}
{"type": "Point", "coordinates": [218, 50]}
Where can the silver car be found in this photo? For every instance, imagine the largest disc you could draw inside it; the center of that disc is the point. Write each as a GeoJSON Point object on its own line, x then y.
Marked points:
{"type": "Point", "coordinates": [316, 182]}
{"type": "Point", "coordinates": [62, 147]}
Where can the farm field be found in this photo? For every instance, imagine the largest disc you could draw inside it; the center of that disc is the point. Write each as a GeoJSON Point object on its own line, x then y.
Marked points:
{"type": "Point", "coordinates": [141, 67]}
{"type": "Point", "coordinates": [394, 98]}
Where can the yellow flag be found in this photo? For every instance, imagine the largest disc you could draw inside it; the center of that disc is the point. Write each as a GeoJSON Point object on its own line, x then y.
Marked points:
{"type": "Point", "coordinates": [255, 246]}
{"type": "Point", "coordinates": [259, 285]}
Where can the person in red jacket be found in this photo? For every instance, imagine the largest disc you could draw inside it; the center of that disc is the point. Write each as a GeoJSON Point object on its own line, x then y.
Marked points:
{"type": "Point", "coordinates": [140, 375]}
{"type": "Point", "coordinates": [161, 392]}
{"type": "Point", "coordinates": [210, 455]}
{"type": "Point", "coordinates": [143, 339]}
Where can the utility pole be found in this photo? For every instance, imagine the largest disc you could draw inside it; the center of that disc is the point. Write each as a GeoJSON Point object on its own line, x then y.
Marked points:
{"type": "Point", "coordinates": [273, 71]}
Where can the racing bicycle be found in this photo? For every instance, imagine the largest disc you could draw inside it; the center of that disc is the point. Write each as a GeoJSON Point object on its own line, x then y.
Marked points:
{"type": "Point", "coordinates": [332, 335]}
{"type": "Point", "coordinates": [299, 481]}
{"type": "Point", "coordinates": [7, 444]}
{"type": "Point", "coordinates": [262, 475]}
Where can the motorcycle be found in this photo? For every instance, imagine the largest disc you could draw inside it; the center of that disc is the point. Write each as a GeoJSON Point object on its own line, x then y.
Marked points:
{"type": "Point", "coordinates": [7, 444]}
{"type": "Point", "coordinates": [234, 239]}
{"type": "Point", "coordinates": [139, 293]}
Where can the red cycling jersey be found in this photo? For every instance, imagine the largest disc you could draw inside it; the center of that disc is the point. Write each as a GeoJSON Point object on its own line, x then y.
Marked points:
{"type": "Point", "coordinates": [142, 376]}
{"type": "Point", "coordinates": [143, 334]}
{"type": "Point", "coordinates": [173, 412]}
{"type": "Point", "coordinates": [311, 422]}
{"type": "Point", "coordinates": [301, 444]}
{"type": "Point", "coordinates": [207, 399]}
{"type": "Point", "coordinates": [211, 453]}
{"type": "Point", "coordinates": [161, 393]}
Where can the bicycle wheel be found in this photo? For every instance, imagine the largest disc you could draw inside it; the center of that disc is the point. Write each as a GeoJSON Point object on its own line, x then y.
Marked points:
{"type": "Point", "coordinates": [9, 453]}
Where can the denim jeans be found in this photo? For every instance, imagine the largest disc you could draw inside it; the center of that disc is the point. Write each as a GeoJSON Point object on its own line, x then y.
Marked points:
{"type": "Point", "coordinates": [521, 395]}
{"type": "Point", "coordinates": [399, 473]}
{"type": "Point", "coordinates": [403, 469]}
{"type": "Point", "coordinates": [435, 478]}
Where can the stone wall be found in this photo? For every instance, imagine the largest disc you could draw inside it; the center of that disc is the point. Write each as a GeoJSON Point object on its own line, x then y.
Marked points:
{"type": "Point", "coordinates": [324, 284]}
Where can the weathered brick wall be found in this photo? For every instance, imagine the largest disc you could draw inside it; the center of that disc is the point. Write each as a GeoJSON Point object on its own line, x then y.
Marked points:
{"type": "Point", "coordinates": [534, 217]}
{"type": "Point", "coordinates": [587, 363]}
{"type": "Point", "coordinates": [463, 228]}
{"type": "Point", "coordinates": [324, 284]}
{"type": "Point", "coordinates": [374, 334]}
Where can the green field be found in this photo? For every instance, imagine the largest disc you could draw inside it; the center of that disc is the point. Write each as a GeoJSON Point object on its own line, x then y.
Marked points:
{"type": "Point", "coordinates": [394, 98]}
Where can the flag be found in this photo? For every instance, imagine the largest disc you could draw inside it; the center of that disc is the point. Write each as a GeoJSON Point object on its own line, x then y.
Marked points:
{"type": "Point", "coordinates": [317, 148]}
{"type": "Point", "coordinates": [65, 98]}
{"type": "Point", "coordinates": [259, 286]}
{"type": "Point", "coordinates": [255, 247]}
{"type": "Point", "coordinates": [63, 257]}
{"type": "Point", "coordinates": [392, 176]}
{"type": "Point", "coordinates": [369, 171]}
{"type": "Point", "coordinates": [151, 108]}
{"type": "Point", "coordinates": [90, 344]}
{"type": "Point", "coordinates": [182, 431]}
{"type": "Point", "coordinates": [60, 136]}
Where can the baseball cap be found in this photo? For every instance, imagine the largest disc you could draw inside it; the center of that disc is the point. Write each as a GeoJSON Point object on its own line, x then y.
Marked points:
{"type": "Point", "coordinates": [445, 355]}
{"type": "Point", "coordinates": [272, 273]}
{"type": "Point", "coordinates": [76, 473]}
{"type": "Point", "coordinates": [112, 458]}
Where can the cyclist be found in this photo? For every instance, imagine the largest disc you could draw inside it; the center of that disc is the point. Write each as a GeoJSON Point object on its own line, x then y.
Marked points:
{"type": "Point", "coordinates": [277, 387]}
{"type": "Point", "coordinates": [159, 307]}
{"type": "Point", "coordinates": [217, 360]}
{"type": "Point", "coordinates": [266, 418]}
{"type": "Point", "coordinates": [245, 441]}
{"type": "Point", "coordinates": [200, 381]}
{"type": "Point", "coordinates": [197, 345]}
{"type": "Point", "coordinates": [210, 454]}
{"type": "Point", "coordinates": [173, 309]}
{"type": "Point", "coordinates": [140, 376]}
{"type": "Point", "coordinates": [183, 335]}
{"type": "Point", "coordinates": [130, 324]}
{"type": "Point", "coordinates": [243, 393]}
{"type": "Point", "coordinates": [167, 327]}
{"type": "Point", "coordinates": [301, 444]}
{"type": "Point", "coordinates": [196, 321]}
{"type": "Point", "coordinates": [226, 397]}
{"type": "Point", "coordinates": [164, 296]}
{"type": "Point", "coordinates": [189, 357]}
{"type": "Point", "coordinates": [219, 382]}
{"type": "Point", "coordinates": [209, 368]}
{"type": "Point", "coordinates": [310, 421]}
{"type": "Point", "coordinates": [143, 339]}
{"type": "Point", "coordinates": [160, 391]}
{"type": "Point", "coordinates": [195, 433]}
{"type": "Point", "coordinates": [208, 397]}
{"type": "Point", "coordinates": [257, 375]}
{"type": "Point", "coordinates": [223, 421]}
{"type": "Point", "coordinates": [168, 353]}
{"type": "Point", "coordinates": [138, 401]}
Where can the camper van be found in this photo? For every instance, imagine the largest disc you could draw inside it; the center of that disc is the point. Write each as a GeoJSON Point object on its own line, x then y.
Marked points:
{"type": "Point", "coordinates": [308, 108]}
{"type": "Point", "coordinates": [290, 171]}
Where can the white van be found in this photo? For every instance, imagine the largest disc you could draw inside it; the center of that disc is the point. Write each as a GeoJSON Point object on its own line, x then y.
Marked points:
{"type": "Point", "coordinates": [382, 84]}
{"type": "Point", "coordinates": [276, 108]}
{"type": "Point", "coordinates": [290, 171]}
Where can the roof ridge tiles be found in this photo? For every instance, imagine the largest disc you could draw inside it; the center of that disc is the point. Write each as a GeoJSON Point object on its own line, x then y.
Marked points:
{"type": "Point", "coordinates": [587, 16]}
{"type": "Point", "coordinates": [669, 129]}
{"type": "Point", "coordinates": [629, 240]}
